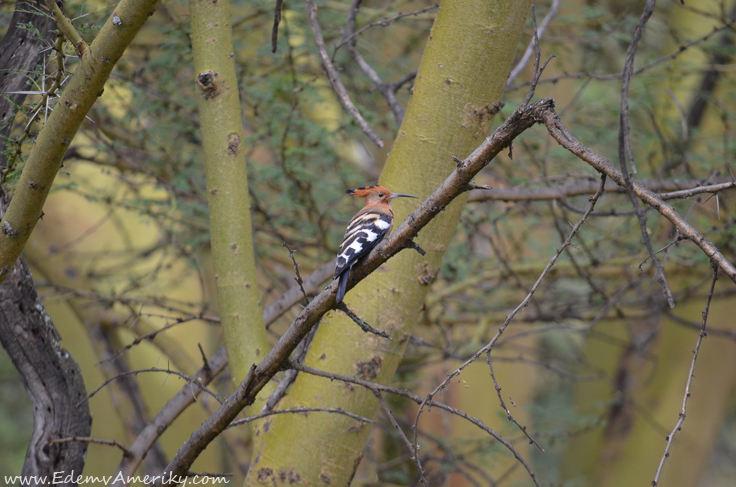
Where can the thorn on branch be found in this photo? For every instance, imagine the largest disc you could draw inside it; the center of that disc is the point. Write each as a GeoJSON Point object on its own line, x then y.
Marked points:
{"type": "Point", "coordinates": [457, 160]}
{"type": "Point", "coordinates": [206, 366]}
{"type": "Point", "coordinates": [358, 321]}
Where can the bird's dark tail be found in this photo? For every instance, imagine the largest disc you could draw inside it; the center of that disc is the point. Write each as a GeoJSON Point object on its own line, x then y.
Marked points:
{"type": "Point", "coordinates": [342, 285]}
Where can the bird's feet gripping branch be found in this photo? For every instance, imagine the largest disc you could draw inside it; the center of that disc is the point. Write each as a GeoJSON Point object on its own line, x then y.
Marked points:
{"type": "Point", "coordinates": [365, 231]}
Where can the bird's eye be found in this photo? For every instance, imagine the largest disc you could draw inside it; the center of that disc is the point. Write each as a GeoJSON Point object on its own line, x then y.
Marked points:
{"type": "Point", "coordinates": [380, 195]}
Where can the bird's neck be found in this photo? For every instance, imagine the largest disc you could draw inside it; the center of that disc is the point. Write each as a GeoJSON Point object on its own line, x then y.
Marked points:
{"type": "Point", "coordinates": [378, 207]}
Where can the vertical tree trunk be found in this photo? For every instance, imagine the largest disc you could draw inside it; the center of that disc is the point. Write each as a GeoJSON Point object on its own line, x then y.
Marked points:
{"type": "Point", "coordinates": [462, 75]}
{"type": "Point", "coordinates": [227, 186]}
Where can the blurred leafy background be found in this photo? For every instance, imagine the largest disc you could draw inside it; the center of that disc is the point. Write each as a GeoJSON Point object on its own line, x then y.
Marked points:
{"type": "Point", "coordinates": [596, 365]}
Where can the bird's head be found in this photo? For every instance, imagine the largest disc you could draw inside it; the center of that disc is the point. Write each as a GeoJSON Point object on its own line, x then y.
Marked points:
{"type": "Point", "coordinates": [377, 195]}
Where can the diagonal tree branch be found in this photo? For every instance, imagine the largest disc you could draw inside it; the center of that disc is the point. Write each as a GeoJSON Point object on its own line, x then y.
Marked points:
{"type": "Point", "coordinates": [558, 131]}
{"type": "Point", "coordinates": [216, 364]}
{"type": "Point", "coordinates": [668, 190]}
{"type": "Point", "coordinates": [455, 184]}
{"type": "Point", "coordinates": [52, 143]}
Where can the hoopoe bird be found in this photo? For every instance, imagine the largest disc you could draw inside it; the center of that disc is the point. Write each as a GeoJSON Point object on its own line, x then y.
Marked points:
{"type": "Point", "coordinates": [365, 231]}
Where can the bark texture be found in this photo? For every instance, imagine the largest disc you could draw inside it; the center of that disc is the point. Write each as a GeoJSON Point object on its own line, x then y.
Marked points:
{"type": "Point", "coordinates": [227, 186]}
{"type": "Point", "coordinates": [50, 375]}
{"type": "Point", "coordinates": [462, 75]}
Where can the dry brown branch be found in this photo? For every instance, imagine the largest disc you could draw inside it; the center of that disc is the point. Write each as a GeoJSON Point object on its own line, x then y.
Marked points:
{"type": "Point", "coordinates": [151, 335]}
{"type": "Point", "coordinates": [300, 351]}
{"type": "Point", "coordinates": [190, 381]}
{"type": "Point", "coordinates": [359, 321]}
{"type": "Point", "coordinates": [455, 184]}
{"type": "Point", "coordinates": [182, 399]}
{"type": "Point", "coordinates": [402, 435]}
{"type": "Point", "coordinates": [675, 190]}
{"type": "Point", "coordinates": [276, 22]}
{"type": "Point", "coordinates": [558, 131]}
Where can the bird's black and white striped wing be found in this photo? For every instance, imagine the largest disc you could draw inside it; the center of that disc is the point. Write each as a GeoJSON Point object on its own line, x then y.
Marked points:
{"type": "Point", "coordinates": [364, 232]}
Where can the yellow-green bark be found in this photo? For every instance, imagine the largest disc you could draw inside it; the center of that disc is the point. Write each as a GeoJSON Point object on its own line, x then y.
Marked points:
{"type": "Point", "coordinates": [227, 185]}
{"type": "Point", "coordinates": [463, 71]}
{"type": "Point", "coordinates": [79, 95]}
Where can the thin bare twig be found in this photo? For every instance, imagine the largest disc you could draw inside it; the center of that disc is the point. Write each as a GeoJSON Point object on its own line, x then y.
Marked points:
{"type": "Point", "coordinates": [388, 90]}
{"type": "Point", "coordinates": [675, 190]}
{"type": "Point", "coordinates": [298, 277]}
{"type": "Point", "coordinates": [488, 347]}
{"type": "Point", "coordinates": [152, 334]}
{"type": "Point", "coordinates": [730, 334]}
{"type": "Point", "coordinates": [402, 435]}
{"type": "Point", "coordinates": [509, 416]}
{"type": "Point", "coordinates": [299, 353]}
{"type": "Point", "coordinates": [532, 43]}
{"type": "Point", "coordinates": [626, 155]}
{"type": "Point", "coordinates": [187, 378]}
{"type": "Point", "coordinates": [359, 321]}
{"type": "Point", "coordinates": [97, 441]}
{"type": "Point", "coordinates": [342, 93]}
{"type": "Point", "coordinates": [610, 76]}
{"type": "Point", "coordinates": [678, 425]}
{"type": "Point", "coordinates": [537, 56]}
{"type": "Point", "coordinates": [683, 116]}
{"type": "Point", "coordinates": [302, 410]}
{"type": "Point", "coordinates": [375, 387]}
{"type": "Point", "coordinates": [384, 23]}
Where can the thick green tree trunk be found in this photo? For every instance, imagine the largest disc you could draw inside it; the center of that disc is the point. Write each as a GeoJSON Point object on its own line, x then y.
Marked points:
{"type": "Point", "coordinates": [462, 74]}
{"type": "Point", "coordinates": [227, 186]}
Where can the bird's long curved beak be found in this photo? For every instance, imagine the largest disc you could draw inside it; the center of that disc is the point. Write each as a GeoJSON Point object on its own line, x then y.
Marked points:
{"type": "Point", "coordinates": [402, 195]}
